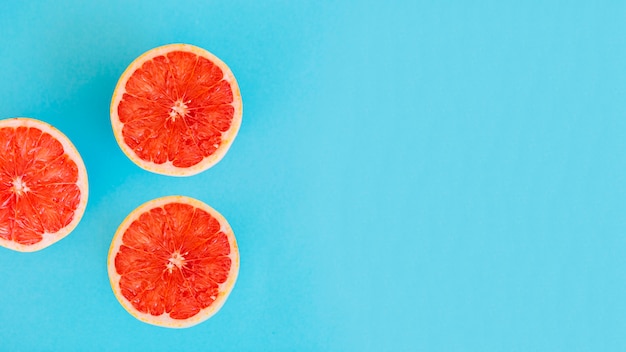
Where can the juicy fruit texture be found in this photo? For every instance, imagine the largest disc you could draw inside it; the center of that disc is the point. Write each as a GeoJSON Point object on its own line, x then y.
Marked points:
{"type": "Point", "coordinates": [43, 185]}
{"type": "Point", "coordinates": [176, 110]}
{"type": "Point", "coordinates": [173, 262]}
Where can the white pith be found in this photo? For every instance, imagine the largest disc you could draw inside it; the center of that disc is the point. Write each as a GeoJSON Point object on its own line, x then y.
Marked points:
{"type": "Point", "coordinates": [175, 260]}
{"type": "Point", "coordinates": [178, 110]}
{"type": "Point", "coordinates": [168, 168]}
{"type": "Point", "coordinates": [19, 187]}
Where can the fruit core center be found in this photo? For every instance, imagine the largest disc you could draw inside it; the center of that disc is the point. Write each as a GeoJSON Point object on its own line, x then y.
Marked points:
{"type": "Point", "coordinates": [19, 186]}
{"type": "Point", "coordinates": [176, 260]}
{"type": "Point", "coordinates": [178, 110]}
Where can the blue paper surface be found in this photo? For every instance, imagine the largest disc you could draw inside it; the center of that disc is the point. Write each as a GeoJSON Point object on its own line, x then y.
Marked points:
{"type": "Point", "coordinates": [409, 175]}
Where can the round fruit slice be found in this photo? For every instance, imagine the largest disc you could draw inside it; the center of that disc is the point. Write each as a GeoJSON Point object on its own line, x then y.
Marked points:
{"type": "Point", "coordinates": [176, 110]}
{"type": "Point", "coordinates": [43, 185]}
{"type": "Point", "coordinates": [173, 262]}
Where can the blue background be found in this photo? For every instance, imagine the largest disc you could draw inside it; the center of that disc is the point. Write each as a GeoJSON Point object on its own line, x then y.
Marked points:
{"type": "Point", "coordinates": [409, 175]}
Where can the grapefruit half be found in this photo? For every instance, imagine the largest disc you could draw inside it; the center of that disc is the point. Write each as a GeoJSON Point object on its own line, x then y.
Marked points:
{"type": "Point", "coordinates": [43, 185]}
{"type": "Point", "coordinates": [173, 262]}
{"type": "Point", "coordinates": [176, 110]}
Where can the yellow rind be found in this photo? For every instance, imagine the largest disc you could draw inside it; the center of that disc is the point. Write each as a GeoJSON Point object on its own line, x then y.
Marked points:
{"type": "Point", "coordinates": [164, 320]}
{"type": "Point", "coordinates": [167, 168]}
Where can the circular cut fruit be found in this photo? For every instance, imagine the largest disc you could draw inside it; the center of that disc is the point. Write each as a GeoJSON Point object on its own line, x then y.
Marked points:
{"type": "Point", "coordinates": [176, 110]}
{"type": "Point", "coordinates": [173, 262]}
{"type": "Point", "coordinates": [43, 185]}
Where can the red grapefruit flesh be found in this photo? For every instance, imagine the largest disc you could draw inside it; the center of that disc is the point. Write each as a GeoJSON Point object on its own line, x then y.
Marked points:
{"type": "Point", "coordinates": [173, 262]}
{"type": "Point", "coordinates": [176, 110]}
{"type": "Point", "coordinates": [43, 185]}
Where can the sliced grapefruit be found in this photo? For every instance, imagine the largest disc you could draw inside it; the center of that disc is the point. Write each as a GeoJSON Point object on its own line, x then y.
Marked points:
{"type": "Point", "coordinates": [176, 110]}
{"type": "Point", "coordinates": [43, 185]}
{"type": "Point", "coordinates": [173, 262]}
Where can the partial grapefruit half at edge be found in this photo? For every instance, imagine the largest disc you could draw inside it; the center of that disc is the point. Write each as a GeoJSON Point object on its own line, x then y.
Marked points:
{"type": "Point", "coordinates": [43, 185]}
{"type": "Point", "coordinates": [176, 110]}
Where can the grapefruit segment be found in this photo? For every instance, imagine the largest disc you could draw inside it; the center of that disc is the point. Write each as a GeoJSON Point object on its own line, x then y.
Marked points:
{"type": "Point", "coordinates": [173, 262]}
{"type": "Point", "coordinates": [176, 110]}
{"type": "Point", "coordinates": [43, 185]}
